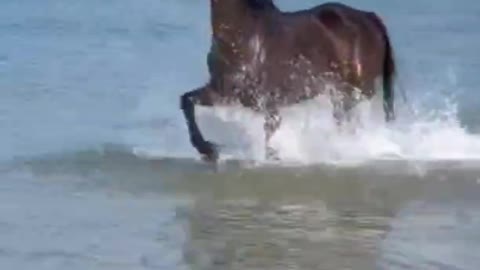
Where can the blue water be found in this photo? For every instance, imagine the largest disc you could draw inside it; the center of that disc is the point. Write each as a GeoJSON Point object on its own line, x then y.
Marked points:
{"type": "Point", "coordinates": [89, 90]}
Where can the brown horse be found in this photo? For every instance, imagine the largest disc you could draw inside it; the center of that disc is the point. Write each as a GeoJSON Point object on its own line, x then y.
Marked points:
{"type": "Point", "coordinates": [264, 59]}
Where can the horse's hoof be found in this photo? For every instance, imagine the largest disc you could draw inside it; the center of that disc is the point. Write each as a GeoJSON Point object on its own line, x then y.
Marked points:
{"type": "Point", "coordinates": [271, 154]}
{"type": "Point", "coordinates": [209, 152]}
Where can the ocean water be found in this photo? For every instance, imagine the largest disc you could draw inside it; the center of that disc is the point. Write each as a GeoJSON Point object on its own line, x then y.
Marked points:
{"type": "Point", "coordinates": [96, 170]}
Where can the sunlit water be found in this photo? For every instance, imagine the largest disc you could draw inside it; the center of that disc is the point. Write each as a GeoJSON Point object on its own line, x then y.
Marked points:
{"type": "Point", "coordinates": [96, 170]}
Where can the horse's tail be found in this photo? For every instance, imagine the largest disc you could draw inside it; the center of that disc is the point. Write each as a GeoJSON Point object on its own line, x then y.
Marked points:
{"type": "Point", "coordinates": [389, 69]}
{"type": "Point", "coordinates": [388, 80]}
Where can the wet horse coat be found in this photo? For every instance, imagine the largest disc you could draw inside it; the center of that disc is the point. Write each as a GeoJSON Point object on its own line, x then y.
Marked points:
{"type": "Point", "coordinates": [266, 59]}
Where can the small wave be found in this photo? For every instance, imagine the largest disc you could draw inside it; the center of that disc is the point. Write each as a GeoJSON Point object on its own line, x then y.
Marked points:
{"type": "Point", "coordinates": [120, 161]}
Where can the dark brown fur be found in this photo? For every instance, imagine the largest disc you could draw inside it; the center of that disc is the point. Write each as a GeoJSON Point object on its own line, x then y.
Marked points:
{"type": "Point", "coordinates": [264, 59]}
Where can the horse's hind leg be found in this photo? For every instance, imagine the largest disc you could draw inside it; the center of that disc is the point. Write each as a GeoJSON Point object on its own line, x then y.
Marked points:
{"type": "Point", "coordinates": [342, 106]}
{"type": "Point", "coordinates": [346, 119]}
{"type": "Point", "coordinates": [206, 97]}
{"type": "Point", "coordinates": [272, 123]}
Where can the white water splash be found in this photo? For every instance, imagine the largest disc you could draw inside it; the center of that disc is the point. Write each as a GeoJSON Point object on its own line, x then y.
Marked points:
{"type": "Point", "coordinates": [308, 134]}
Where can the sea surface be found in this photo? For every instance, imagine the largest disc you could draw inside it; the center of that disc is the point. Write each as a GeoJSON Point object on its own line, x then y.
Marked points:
{"type": "Point", "coordinates": [97, 172]}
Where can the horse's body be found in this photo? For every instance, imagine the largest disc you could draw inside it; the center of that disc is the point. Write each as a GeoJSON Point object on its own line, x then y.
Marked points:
{"type": "Point", "coordinates": [265, 59]}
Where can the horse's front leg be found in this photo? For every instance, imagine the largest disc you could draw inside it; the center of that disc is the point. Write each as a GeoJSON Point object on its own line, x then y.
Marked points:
{"type": "Point", "coordinates": [206, 97]}
{"type": "Point", "coordinates": [272, 123]}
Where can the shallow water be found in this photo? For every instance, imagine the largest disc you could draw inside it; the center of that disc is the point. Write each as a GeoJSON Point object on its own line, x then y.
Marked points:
{"type": "Point", "coordinates": [112, 210]}
{"type": "Point", "coordinates": [96, 171]}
